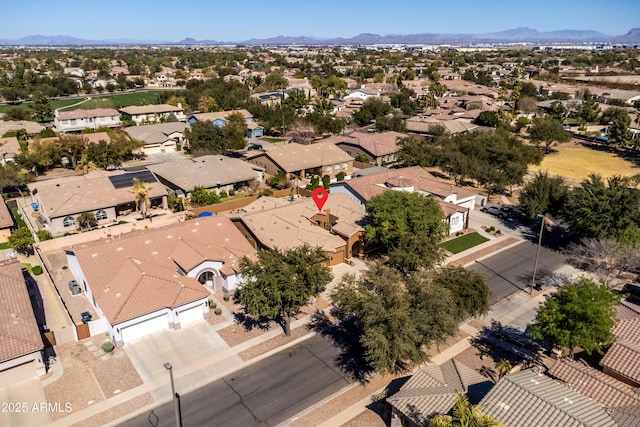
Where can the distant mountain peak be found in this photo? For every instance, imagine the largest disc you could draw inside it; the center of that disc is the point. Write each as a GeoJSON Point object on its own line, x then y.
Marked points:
{"type": "Point", "coordinates": [515, 35]}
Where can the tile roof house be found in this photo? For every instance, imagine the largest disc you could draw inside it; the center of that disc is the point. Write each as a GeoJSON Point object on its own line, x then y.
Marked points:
{"type": "Point", "coordinates": [107, 194]}
{"type": "Point", "coordinates": [531, 399]}
{"type": "Point", "coordinates": [20, 341]}
{"type": "Point", "coordinates": [622, 360]}
{"type": "Point", "coordinates": [160, 278]}
{"type": "Point", "coordinates": [159, 137]}
{"type": "Point", "coordinates": [432, 391]}
{"type": "Point", "coordinates": [455, 202]}
{"type": "Point", "coordinates": [220, 119]}
{"type": "Point", "coordinates": [219, 173]}
{"type": "Point", "coordinates": [6, 221]}
{"type": "Point", "coordinates": [276, 223]}
{"type": "Point", "coordinates": [622, 401]}
{"type": "Point", "coordinates": [77, 120]}
{"type": "Point", "coordinates": [303, 160]}
{"type": "Point", "coordinates": [9, 148]}
{"type": "Point", "coordinates": [378, 147]}
{"type": "Point", "coordinates": [31, 128]}
{"type": "Point", "coordinates": [143, 114]}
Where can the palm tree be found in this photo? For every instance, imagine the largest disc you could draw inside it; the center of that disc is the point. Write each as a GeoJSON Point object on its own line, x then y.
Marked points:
{"type": "Point", "coordinates": [84, 164]}
{"type": "Point", "coordinates": [86, 220]}
{"type": "Point", "coordinates": [141, 192]}
{"type": "Point", "coordinates": [464, 415]}
{"type": "Point", "coordinates": [504, 367]}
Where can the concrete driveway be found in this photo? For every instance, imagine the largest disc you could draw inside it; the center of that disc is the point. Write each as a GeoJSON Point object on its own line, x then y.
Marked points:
{"type": "Point", "coordinates": [184, 349]}
{"type": "Point", "coordinates": [19, 400]}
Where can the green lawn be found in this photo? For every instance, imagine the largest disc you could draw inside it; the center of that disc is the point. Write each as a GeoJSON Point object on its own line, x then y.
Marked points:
{"type": "Point", "coordinates": [17, 218]}
{"type": "Point", "coordinates": [463, 243]}
{"type": "Point", "coordinates": [116, 100]}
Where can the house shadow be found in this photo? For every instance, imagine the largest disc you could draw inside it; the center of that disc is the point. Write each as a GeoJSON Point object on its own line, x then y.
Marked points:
{"type": "Point", "coordinates": [37, 305]}
{"type": "Point", "coordinates": [500, 342]}
{"type": "Point", "coordinates": [346, 336]}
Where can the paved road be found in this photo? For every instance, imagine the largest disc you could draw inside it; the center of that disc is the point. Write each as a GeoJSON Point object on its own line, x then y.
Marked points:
{"type": "Point", "coordinates": [263, 394]}
{"type": "Point", "coordinates": [511, 270]}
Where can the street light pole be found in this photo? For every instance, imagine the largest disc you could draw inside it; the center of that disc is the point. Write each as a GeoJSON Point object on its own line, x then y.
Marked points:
{"type": "Point", "coordinates": [535, 265]}
{"type": "Point", "coordinates": [176, 404]}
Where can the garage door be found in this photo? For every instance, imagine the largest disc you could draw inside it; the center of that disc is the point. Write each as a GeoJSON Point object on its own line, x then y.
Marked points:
{"type": "Point", "coordinates": [145, 327]}
{"type": "Point", "coordinates": [18, 373]}
{"type": "Point", "coordinates": [190, 315]}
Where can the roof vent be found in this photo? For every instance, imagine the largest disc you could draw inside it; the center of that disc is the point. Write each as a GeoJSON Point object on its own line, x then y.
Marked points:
{"type": "Point", "coordinates": [120, 249]}
{"type": "Point", "coordinates": [94, 255]}
{"type": "Point", "coordinates": [118, 295]}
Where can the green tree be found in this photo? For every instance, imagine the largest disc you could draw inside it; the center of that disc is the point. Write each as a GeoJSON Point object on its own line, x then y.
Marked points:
{"type": "Point", "coordinates": [578, 315]}
{"type": "Point", "coordinates": [17, 113]}
{"type": "Point", "coordinates": [488, 118]}
{"type": "Point", "coordinates": [86, 220]}
{"type": "Point", "coordinates": [558, 111]}
{"type": "Point", "coordinates": [464, 415]}
{"type": "Point", "coordinates": [588, 111]}
{"type": "Point", "coordinates": [469, 290]}
{"type": "Point", "coordinates": [141, 191]}
{"type": "Point", "coordinates": [548, 131]}
{"type": "Point", "coordinates": [599, 209]}
{"type": "Point", "coordinates": [388, 319]}
{"type": "Point", "coordinates": [394, 215]}
{"type": "Point", "coordinates": [543, 194]}
{"type": "Point", "coordinates": [21, 240]}
{"type": "Point", "coordinates": [84, 164]}
{"type": "Point", "coordinates": [200, 196]}
{"type": "Point", "coordinates": [275, 80]}
{"type": "Point", "coordinates": [42, 108]}
{"type": "Point", "coordinates": [619, 122]}
{"type": "Point", "coordinates": [207, 103]}
{"type": "Point", "coordinates": [279, 282]}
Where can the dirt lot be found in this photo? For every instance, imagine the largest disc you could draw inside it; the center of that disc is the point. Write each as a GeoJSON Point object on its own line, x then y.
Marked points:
{"type": "Point", "coordinates": [575, 161]}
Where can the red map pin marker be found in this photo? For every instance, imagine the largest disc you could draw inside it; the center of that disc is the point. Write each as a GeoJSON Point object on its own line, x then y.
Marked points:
{"type": "Point", "coordinates": [320, 196]}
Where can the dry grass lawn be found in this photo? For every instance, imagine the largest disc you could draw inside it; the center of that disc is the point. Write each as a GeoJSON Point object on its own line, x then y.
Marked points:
{"type": "Point", "coordinates": [574, 161]}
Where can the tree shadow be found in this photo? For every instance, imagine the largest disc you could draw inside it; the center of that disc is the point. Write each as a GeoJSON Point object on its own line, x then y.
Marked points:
{"type": "Point", "coordinates": [249, 322]}
{"type": "Point", "coordinates": [346, 336]}
{"type": "Point", "coordinates": [507, 343]}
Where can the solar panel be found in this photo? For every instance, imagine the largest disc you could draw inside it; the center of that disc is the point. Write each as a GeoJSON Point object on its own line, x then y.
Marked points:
{"type": "Point", "coordinates": [126, 179]}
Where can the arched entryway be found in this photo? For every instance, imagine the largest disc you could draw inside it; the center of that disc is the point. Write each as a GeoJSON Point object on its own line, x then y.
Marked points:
{"type": "Point", "coordinates": [356, 248]}
{"type": "Point", "coordinates": [211, 278]}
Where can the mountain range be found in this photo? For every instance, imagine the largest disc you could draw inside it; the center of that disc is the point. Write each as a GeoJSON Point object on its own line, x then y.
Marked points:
{"type": "Point", "coordinates": [517, 35]}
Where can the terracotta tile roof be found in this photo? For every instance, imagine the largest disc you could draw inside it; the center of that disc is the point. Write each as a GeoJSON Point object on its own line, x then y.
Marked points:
{"type": "Point", "coordinates": [81, 193]}
{"type": "Point", "coordinates": [290, 226]}
{"type": "Point", "coordinates": [431, 390]}
{"type": "Point", "coordinates": [220, 115]}
{"type": "Point", "coordinates": [138, 273]}
{"type": "Point", "coordinates": [9, 145]}
{"type": "Point", "coordinates": [377, 144]}
{"type": "Point", "coordinates": [150, 109]}
{"type": "Point", "coordinates": [6, 220]}
{"type": "Point", "coordinates": [528, 398]}
{"type": "Point", "coordinates": [96, 137]}
{"type": "Point", "coordinates": [597, 385]}
{"type": "Point", "coordinates": [624, 355]}
{"type": "Point", "coordinates": [86, 114]}
{"type": "Point", "coordinates": [294, 157]}
{"type": "Point", "coordinates": [422, 181]}
{"type": "Point", "coordinates": [207, 171]}
{"type": "Point", "coordinates": [19, 332]}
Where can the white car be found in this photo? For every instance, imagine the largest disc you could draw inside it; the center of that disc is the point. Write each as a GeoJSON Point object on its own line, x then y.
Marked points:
{"type": "Point", "coordinates": [494, 210]}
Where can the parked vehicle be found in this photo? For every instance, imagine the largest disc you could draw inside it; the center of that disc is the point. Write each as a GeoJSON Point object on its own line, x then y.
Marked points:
{"type": "Point", "coordinates": [498, 211]}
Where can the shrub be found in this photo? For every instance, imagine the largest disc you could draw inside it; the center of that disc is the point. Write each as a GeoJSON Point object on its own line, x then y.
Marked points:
{"type": "Point", "coordinates": [498, 232]}
{"type": "Point", "coordinates": [340, 176]}
{"type": "Point", "coordinates": [218, 311]}
{"type": "Point", "coordinates": [37, 270]}
{"type": "Point", "coordinates": [223, 194]}
{"type": "Point", "coordinates": [491, 229]}
{"type": "Point", "coordinates": [212, 303]}
{"type": "Point", "coordinates": [232, 192]}
{"type": "Point", "coordinates": [226, 296]}
{"type": "Point", "coordinates": [44, 235]}
{"type": "Point", "coordinates": [266, 192]}
{"type": "Point", "coordinates": [108, 347]}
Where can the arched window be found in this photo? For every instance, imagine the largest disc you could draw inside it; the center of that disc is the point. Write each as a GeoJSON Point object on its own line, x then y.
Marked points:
{"type": "Point", "coordinates": [69, 221]}
{"type": "Point", "coordinates": [345, 166]}
{"type": "Point", "coordinates": [100, 215]}
{"type": "Point", "coordinates": [337, 168]}
{"type": "Point", "coordinates": [329, 169]}
{"type": "Point", "coordinates": [205, 277]}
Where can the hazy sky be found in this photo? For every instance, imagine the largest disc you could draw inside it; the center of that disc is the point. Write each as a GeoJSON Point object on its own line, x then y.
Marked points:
{"type": "Point", "coordinates": [173, 20]}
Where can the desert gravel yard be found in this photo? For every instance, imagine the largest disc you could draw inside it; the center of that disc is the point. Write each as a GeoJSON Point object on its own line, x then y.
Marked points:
{"type": "Point", "coordinates": [90, 375]}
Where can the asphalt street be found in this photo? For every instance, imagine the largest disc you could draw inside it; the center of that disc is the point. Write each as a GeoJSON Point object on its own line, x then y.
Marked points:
{"type": "Point", "coordinates": [263, 394]}
{"type": "Point", "coordinates": [512, 270]}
